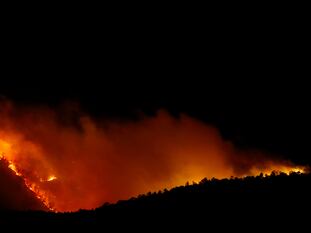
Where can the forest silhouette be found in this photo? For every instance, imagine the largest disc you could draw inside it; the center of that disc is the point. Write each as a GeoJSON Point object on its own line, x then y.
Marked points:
{"type": "Point", "coordinates": [261, 200]}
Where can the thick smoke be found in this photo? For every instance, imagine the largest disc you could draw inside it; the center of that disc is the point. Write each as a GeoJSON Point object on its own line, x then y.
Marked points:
{"type": "Point", "coordinates": [99, 161]}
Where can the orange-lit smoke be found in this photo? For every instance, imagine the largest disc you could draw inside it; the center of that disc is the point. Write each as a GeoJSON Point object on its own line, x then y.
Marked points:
{"type": "Point", "coordinates": [75, 162]}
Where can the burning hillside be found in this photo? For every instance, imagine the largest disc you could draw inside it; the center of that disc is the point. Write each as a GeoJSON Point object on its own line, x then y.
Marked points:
{"type": "Point", "coordinates": [71, 161]}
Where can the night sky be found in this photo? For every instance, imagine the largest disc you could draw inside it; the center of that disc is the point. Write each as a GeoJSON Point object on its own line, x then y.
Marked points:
{"type": "Point", "coordinates": [247, 78]}
{"type": "Point", "coordinates": [116, 114]}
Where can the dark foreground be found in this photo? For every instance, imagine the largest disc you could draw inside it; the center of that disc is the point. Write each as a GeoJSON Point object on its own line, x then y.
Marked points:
{"type": "Point", "coordinates": [252, 203]}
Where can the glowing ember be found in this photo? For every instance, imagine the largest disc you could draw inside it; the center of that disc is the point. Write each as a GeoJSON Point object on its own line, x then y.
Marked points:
{"type": "Point", "coordinates": [287, 169]}
{"type": "Point", "coordinates": [51, 178]}
{"type": "Point", "coordinates": [14, 169]}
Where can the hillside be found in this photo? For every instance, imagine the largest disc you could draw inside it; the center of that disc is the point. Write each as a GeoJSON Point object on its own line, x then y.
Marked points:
{"type": "Point", "coordinates": [14, 195]}
{"type": "Point", "coordinates": [260, 200]}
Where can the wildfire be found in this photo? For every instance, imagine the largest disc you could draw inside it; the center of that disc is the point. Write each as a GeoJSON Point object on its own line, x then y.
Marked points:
{"type": "Point", "coordinates": [81, 166]}
{"type": "Point", "coordinates": [287, 169]}
{"type": "Point", "coordinates": [194, 175]}
{"type": "Point", "coordinates": [40, 194]}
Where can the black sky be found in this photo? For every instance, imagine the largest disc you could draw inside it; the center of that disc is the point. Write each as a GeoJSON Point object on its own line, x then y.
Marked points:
{"type": "Point", "coordinates": [246, 76]}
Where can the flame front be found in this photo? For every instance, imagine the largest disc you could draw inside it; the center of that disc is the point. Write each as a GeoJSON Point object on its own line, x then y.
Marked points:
{"type": "Point", "coordinates": [5, 149]}
{"type": "Point", "coordinates": [70, 168]}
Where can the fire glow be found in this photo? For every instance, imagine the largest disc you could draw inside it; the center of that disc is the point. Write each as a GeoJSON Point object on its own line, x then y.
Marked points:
{"type": "Point", "coordinates": [51, 178]}
{"type": "Point", "coordinates": [39, 194]}
{"type": "Point", "coordinates": [82, 165]}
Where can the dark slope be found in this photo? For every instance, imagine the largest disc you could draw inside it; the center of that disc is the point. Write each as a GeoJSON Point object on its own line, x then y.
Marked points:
{"type": "Point", "coordinates": [14, 195]}
{"type": "Point", "coordinates": [278, 201]}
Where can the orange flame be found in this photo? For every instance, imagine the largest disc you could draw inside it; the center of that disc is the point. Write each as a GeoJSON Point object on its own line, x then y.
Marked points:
{"type": "Point", "coordinates": [51, 178]}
